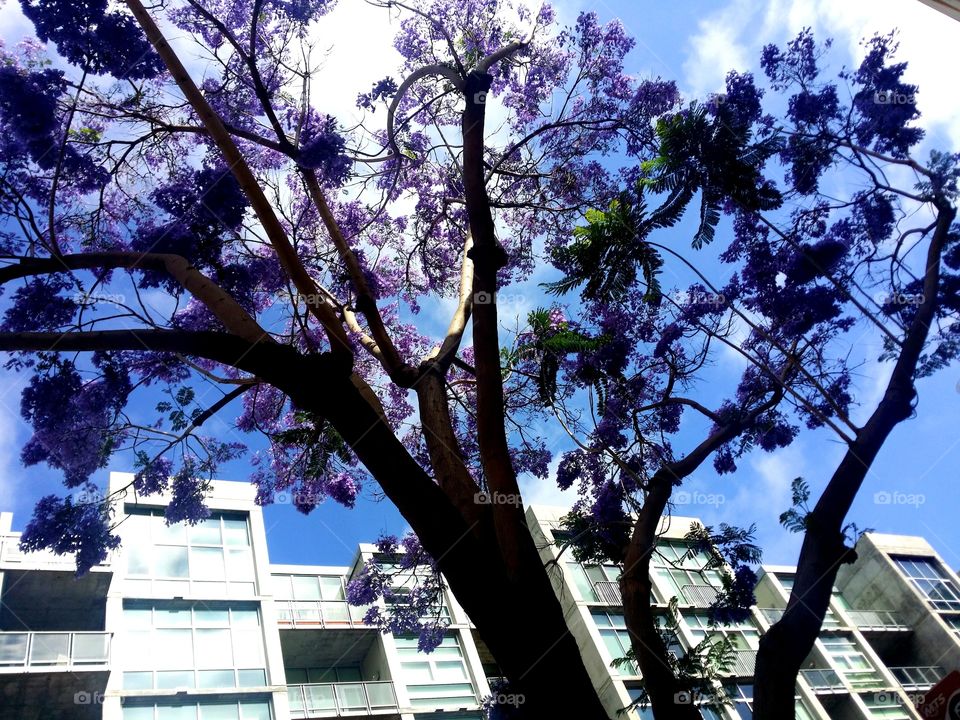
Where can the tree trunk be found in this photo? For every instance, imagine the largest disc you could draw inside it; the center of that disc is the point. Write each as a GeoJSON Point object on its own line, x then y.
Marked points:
{"type": "Point", "coordinates": [788, 642]}
{"type": "Point", "coordinates": [667, 696]}
{"type": "Point", "coordinates": [517, 614]}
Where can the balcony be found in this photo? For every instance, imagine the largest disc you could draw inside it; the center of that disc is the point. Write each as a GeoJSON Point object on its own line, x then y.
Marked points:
{"type": "Point", "coordinates": [321, 700]}
{"type": "Point", "coordinates": [320, 614]}
{"type": "Point", "coordinates": [823, 681]}
{"type": "Point", "coordinates": [11, 554]}
{"type": "Point", "coordinates": [866, 679]}
{"type": "Point", "coordinates": [608, 591]}
{"type": "Point", "coordinates": [742, 663]}
{"type": "Point", "coordinates": [877, 621]}
{"type": "Point", "coordinates": [45, 650]}
{"type": "Point", "coordinates": [773, 615]}
{"type": "Point", "coordinates": [917, 678]}
{"type": "Point", "coordinates": [699, 595]}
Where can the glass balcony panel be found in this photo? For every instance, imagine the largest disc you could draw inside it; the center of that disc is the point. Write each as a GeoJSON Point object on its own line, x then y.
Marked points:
{"type": "Point", "coordinates": [92, 648]}
{"type": "Point", "coordinates": [306, 612]}
{"type": "Point", "coordinates": [50, 649]}
{"type": "Point", "coordinates": [350, 697]}
{"type": "Point", "coordinates": [319, 698]}
{"type": "Point", "coordinates": [13, 648]}
{"type": "Point", "coordinates": [380, 695]}
{"type": "Point", "coordinates": [335, 613]}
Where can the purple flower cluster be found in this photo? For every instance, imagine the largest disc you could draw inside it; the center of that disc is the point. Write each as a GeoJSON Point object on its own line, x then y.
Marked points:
{"type": "Point", "coordinates": [66, 527]}
{"type": "Point", "coordinates": [92, 37]}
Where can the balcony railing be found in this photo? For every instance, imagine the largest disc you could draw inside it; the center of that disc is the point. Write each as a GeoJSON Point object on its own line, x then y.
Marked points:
{"type": "Point", "coordinates": [699, 595]}
{"type": "Point", "coordinates": [917, 677]}
{"type": "Point", "coordinates": [743, 663]}
{"type": "Point", "coordinates": [608, 591]}
{"type": "Point", "coordinates": [876, 620]}
{"type": "Point", "coordinates": [10, 552]}
{"type": "Point", "coordinates": [866, 679]}
{"type": "Point", "coordinates": [318, 700]}
{"type": "Point", "coordinates": [39, 650]}
{"type": "Point", "coordinates": [773, 615]}
{"type": "Point", "coordinates": [823, 680]}
{"type": "Point", "coordinates": [320, 614]}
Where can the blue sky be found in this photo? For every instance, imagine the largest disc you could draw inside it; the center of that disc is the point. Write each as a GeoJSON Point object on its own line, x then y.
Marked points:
{"type": "Point", "coordinates": [912, 487]}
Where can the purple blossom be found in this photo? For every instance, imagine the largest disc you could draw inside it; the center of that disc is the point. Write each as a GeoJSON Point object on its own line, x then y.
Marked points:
{"type": "Point", "coordinates": [153, 477]}
{"type": "Point", "coordinates": [187, 502]}
{"type": "Point", "coordinates": [65, 527]}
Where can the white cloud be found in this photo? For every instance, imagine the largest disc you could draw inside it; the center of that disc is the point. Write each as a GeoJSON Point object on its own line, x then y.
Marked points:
{"type": "Point", "coordinates": [715, 49]}
{"type": "Point", "coordinates": [545, 492]}
{"type": "Point", "coordinates": [731, 38]}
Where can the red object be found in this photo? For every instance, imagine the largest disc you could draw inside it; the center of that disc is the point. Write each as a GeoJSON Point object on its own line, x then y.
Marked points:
{"type": "Point", "coordinates": [943, 700]}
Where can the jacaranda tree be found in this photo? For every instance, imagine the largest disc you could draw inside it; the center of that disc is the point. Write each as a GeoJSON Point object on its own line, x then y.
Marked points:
{"type": "Point", "coordinates": [293, 256]}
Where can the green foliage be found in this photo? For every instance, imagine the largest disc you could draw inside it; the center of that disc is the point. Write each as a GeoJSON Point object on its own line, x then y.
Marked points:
{"type": "Point", "coordinates": [608, 251]}
{"type": "Point", "coordinates": [318, 441]}
{"type": "Point", "coordinates": [795, 519]}
{"type": "Point", "coordinates": [706, 153]}
{"type": "Point", "coordinates": [548, 342]}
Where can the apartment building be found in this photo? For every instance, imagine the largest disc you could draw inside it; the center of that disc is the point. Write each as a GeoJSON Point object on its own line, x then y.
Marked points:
{"type": "Point", "coordinates": [892, 631]}
{"type": "Point", "coordinates": [196, 623]}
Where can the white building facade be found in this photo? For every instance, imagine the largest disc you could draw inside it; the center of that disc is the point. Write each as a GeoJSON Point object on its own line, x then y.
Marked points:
{"type": "Point", "coordinates": [892, 631]}
{"type": "Point", "coordinates": [195, 623]}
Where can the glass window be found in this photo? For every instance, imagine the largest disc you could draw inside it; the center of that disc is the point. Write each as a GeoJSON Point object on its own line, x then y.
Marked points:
{"type": "Point", "coordinates": [281, 587]}
{"type": "Point", "coordinates": [172, 648]}
{"type": "Point", "coordinates": [138, 713]}
{"type": "Point", "coordinates": [305, 587]}
{"type": "Point", "coordinates": [216, 679]}
{"type": "Point", "coordinates": [219, 711]}
{"type": "Point", "coordinates": [931, 580]}
{"type": "Point", "coordinates": [331, 588]}
{"type": "Point", "coordinates": [206, 532]}
{"type": "Point", "coordinates": [212, 617]}
{"type": "Point", "coordinates": [170, 561]}
{"type": "Point", "coordinates": [177, 712]}
{"type": "Point", "coordinates": [248, 647]}
{"type": "Point", "coordinates": [616, 639]}
{"type": "Point", "coordinates": [138, 681]}
{"type": "Point", "coordinates": [138, 559]}
{"type": "Point", "coordinates": [173, 679]}
{"type": "Point", "coordinates": [175, 534]}
{"type": "Point", "coordinates": [214, 648]}
{"type": "Point", "coordinates": [206, 563]}
{"type": "Point", "coordinates": [439, 679]}
{"type": "Point", "coordinates": [251, 678]}
{"type": "Point", "coordinates": [235, 531]}
{"type": "Point", "coordinates": [254, 710]}
{"type": "Point", "coordinates": [239, 564]}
